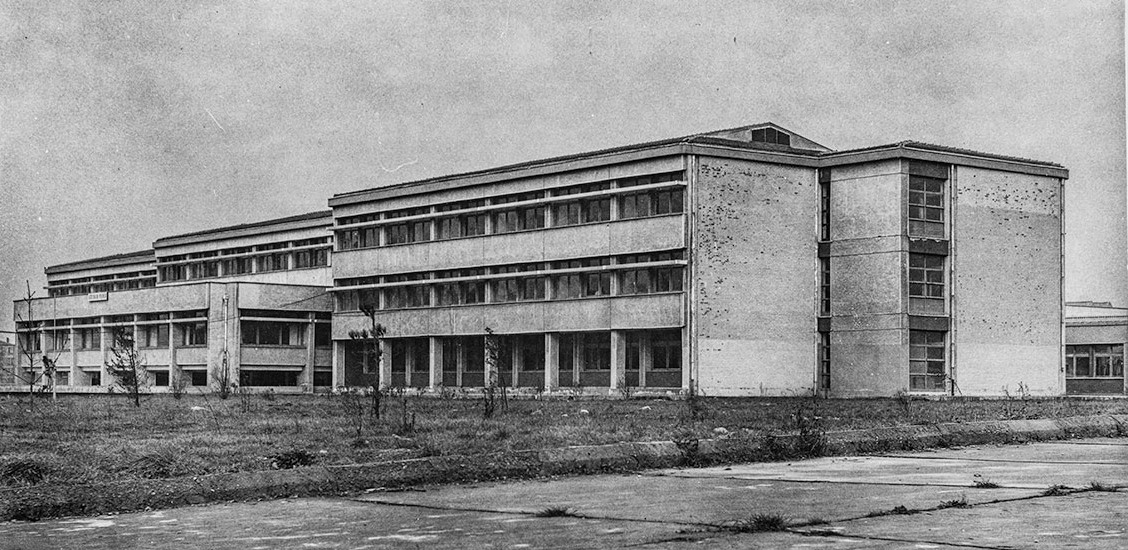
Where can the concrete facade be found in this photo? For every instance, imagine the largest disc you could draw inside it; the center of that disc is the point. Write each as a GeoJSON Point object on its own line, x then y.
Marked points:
{"type": "Point", "coordinates": [747, 261]}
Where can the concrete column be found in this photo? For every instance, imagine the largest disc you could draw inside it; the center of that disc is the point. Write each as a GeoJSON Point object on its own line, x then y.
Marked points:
{"type": "Point", "coordinates": [489, 220]}
{"type": "Point", "coordinates": [385, 363]}
{"type": "Point", "coordinates": [306, 379]}
{"type": "Point", "coordinates": [74, 370]}
{"type": "Point", "coordinates": [515, 360]}
{"type": "Point", "coordinates": [491, 371]}
{"type": "Point", "coordinates": [435, 362]}
{"type": "Point", "coordinates": [618, 359]}
{"type": "Point", "coordinates": [645, 357]}
{"type": "Point", "coordinates": [687, 364]}
{"type": "Point", "coordinates": [105, 343]}
{"type": "Point", "coordinates": [338, 363]}
{"type": "Point", "coordinates": [408, 362]}
{"type": "Point", "coordinates": [137, 334]}
{"type": "Point", "coordinates": [551, 361]}
{"type": "Point", "coordinates": [174, 373]}
{"type": "Point", "coordinates": [577, 359]}
{"type": "Point", "coordinates": [459, 364]}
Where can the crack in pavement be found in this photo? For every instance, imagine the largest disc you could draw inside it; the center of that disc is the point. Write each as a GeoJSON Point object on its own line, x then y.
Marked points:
{"type": "Point", "coordinates": [524, 513]}
{"type": "Point", "coordinates": [1004, 461]}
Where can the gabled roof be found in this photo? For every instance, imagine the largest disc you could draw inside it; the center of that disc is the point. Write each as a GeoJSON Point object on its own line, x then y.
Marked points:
{"type": "Point", "coordinates": [127, 258]}
{"type": "Point", "coordinates": [920, 145]}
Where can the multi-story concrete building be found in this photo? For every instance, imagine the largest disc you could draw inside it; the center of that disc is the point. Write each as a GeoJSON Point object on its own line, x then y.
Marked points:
{"type": "Point", "coordinates": [244, 303]}
{"type": "Point", "coordinates": [749, 261]}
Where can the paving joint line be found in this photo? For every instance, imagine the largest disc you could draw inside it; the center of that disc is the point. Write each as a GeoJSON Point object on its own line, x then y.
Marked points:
{"type": "Point", "coordinates": [841, 482]}
{"type": "Point", "coordinates": [1002, 460]}
{"type": "Point", "coordinates": [524, 513]}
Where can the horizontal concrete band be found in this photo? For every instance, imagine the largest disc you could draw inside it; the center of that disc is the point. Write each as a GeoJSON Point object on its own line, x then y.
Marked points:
{"type": "Point", "coordinates": [51, 500]}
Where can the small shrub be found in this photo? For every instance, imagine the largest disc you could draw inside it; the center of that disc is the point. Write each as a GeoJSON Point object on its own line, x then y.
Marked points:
{"type": "Point", "coordinates": [1057, 490]}
{"type": "Point", "coordinates": [1101, 487]}
{"type": "Point", "coordinates": [22, 471]}
{"type": "Point", "coordinates": [163, 462]}
{"type": "Point", "coordinates": [955, 503]}
{"type": "Point", "coordinates": [760, 523]}
{"type": "Point", "coordinates": [291, 459]}
{"type": "Point", "coordinates": [555, 512]}
{"type": "Point", "coordinates": [986, 484]}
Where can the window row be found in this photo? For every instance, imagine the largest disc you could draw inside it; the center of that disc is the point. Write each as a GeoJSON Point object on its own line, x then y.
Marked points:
{"type": "Point", "coordinates": [276, 261]}
{"type": "Point", "coordinates": [1094, 361]}
{"type": "Point", "coordinates": [281, 333]}
{"type": "Point", "coordinates": [519, 288]}
{"type": "Point", "coordinates": [523, 217]}
{"type": "Point", "coordinates": [109, 286]}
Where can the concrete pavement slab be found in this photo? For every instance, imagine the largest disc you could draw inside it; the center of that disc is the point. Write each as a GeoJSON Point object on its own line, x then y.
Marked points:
{"type": "Point", "coordinates": [693, 500]}
{"type": "Point", "coordinates": [326, 523]}
{"type": "Point", "coordinates": [1090, 520]}
{"type": "Point", "coordinates": [1031, 466]}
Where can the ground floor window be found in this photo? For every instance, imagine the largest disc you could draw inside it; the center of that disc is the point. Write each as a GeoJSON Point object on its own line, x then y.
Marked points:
{"type": "Point", "coordinates": [926, 360]}
{"type": "Point", "coordinates": [197, 377]}
{"type": "Point", "coordinates": [160, 377]}
{"type": "Point", "coordinates": [322, 378]}
{"type": "Point", "coordinates": [268, 378]}
{"type": "Point", "coordinates": [1094, 361]}
{"type": "Point", "coordinates": [95, 379]}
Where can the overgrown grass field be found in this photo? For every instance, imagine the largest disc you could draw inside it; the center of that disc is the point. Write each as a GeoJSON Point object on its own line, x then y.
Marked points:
{"type": "Point", "coordinates": [97, 438]}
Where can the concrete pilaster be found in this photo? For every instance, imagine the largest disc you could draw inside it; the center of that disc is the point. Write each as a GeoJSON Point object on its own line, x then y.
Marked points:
{"type": "Point", "coordinates": [551, 360]}
{"type": "Point", "coordinates": [75, 372]}
{"type": "Point", "coordinates": [577, 359]}
{"type": "Point", "coordinates": [338, 363]}
{"type": "Point", "coordinates": [515, 364]}
{"type": "Point", "coordinates": [618, 359]}
{"type": "Point", "coordinates": [174, 373]}
{"type": "Point", "coordinates": [459, 364]}
{"type": "Point", "coordinates": [306, 380]}
{"type": "Point", "coordinates": [385, 363]}
{"type": "Point", "coordinates": [645, 357]}
{"type": "Point", "coordinates": [435, 362]}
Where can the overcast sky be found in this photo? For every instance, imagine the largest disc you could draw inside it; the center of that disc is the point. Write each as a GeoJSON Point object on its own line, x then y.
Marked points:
{"type": "Point", "coordinates": [124, 122]}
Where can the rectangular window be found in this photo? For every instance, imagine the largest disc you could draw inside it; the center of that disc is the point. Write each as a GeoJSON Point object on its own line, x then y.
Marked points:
{"type": "Point", "coordinates": [1094, 361]}
{"type": "Point", "coordinates": [824, 204]}
{"type": "Point", "coordinates": [272, 333]}
{"type": "Point", "coordinates": [409, 231]}
{"type": "Point", "coordinates": [521, 218]}
{"type": "Point", "coordinates": [237, 266]}
{"type": "Point", "coordinates": [824, 286]}
{"type": "Point", "coordinates": [926, 198]}
{"type": "Point", "coordinates": [160, 378]}
{"type": "Point", "coordinates": [824, 361]}
{"type": "Point", "coordinates": [168, 273]}
{"type": "Point", "coordinates": [595, 351]}
{"type": "Point", "coordinates": [926, 276]}
{"type": "Point", "coordinates": [154, 336]}
{"type": "Point", "coordinates": [88, 338]}
{"type": "Point", "coordinates": [666, 350]}
{"type": "Point", "coordinates": [926, 360]}
{"type": "Point", "coordinates": [311, 258]}
{"type": "Point", "coordinates": [193, 334]}
{"type": "Point", "coordinates": [399, 297]}
{"type": "Point", "coordinates": [272, 262]}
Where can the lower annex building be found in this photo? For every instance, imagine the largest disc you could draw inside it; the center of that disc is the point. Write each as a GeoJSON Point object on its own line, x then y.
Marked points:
{"type": "Point", "coordinates": [747, 261]}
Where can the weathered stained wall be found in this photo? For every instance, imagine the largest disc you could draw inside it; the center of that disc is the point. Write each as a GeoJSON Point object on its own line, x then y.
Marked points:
{"type": "Point", "coordinates": [1007, 281]}
{"type": "Point", "coordinates": [867, 257]}
{"type": "Point", "coordinates": [755, 258]}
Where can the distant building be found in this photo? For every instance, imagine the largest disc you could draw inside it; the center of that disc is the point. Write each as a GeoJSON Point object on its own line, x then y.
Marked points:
{"type": "Point", "coordinates": [748, 261]}
{"type": "Point", "coordinates": [1096, 334]}
{"type": "Point", "coordinates": [7, 363]}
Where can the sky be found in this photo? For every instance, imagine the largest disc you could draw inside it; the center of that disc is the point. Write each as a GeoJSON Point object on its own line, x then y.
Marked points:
{"type": "Point", "coordinates": [124, 122]}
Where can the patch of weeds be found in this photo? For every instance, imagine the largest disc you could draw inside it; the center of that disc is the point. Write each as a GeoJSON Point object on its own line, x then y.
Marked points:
{"type": "Point", "coordinates": [291, 459]}
{"type": "Point", "coordinates": [1101, 487]}
{"type": "Point", "coordinates": [759, 523]}
{"type": "Point", "coordinates": [984, 483]}
{"type": "Point", "coordinates": [556, 512]}
{"type": "Point", "coordinates": [955, 503]}
{"type": "Point", "coordinates": [896, 511]}
{"type": "Point", "coordinates": [1057, 491]}
{"type": "Point", "coordinates": [161, 463]}
{"type": "Point", "coordinates": [22, 471]}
